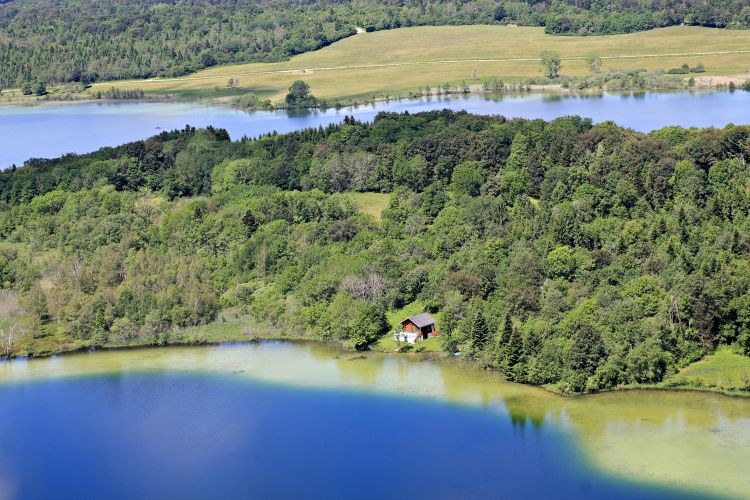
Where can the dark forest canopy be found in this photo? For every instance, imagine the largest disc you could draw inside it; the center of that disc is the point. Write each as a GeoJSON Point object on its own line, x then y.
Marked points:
{"type": "Point", "coordinates": [559, 252]}
{"type": "Point", "coordinates": [54, 41]}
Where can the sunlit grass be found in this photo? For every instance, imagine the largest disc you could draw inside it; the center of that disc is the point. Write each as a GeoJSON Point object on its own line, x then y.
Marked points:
{"type": "Point", "coordinates": [724, 369]}
{"type": "Point", "coordinates": [371, 203]}
{"type": "Point", "coordinates": [394, 62]}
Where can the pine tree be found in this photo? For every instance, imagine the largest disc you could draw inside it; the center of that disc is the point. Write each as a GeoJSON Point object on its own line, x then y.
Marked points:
{"type": "Point", "coordinates": [507, 331]}
{"type": "Point", "coordinates": [502, 337]}
{"type": "Point", "coordinates": [514, 350]}
{"type": "Point", "coordinates": [587, 351]}
{"type": "Point", "coordinates": [478, 332]}
{"type": "Point", "coordinates": [662, 225]}
{"type": "Point", "coordinates": [682, 220]}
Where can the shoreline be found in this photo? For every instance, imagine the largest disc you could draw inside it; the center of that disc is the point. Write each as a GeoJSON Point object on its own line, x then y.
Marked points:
{"type": "Point", "coordinates": [32, 103]}
{"type": "Point", "coordinates": [338, 345]}
{"type": "Point", "coordinates": [514, 89]}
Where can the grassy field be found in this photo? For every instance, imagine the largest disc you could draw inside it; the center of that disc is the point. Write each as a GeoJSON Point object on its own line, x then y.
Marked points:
{"type": "Point", "coordinates": [394, 62]}
{"type": "Point", "coordinates": [724, 370]}
{"type": "Point", "coordinates": [371, 203]}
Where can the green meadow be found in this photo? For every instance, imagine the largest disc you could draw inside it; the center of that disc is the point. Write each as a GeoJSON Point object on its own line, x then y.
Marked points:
{"type": "Point", "coordinates": [395, 62]}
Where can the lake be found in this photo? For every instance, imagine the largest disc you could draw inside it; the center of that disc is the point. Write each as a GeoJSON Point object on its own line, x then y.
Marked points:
{"type": "Point", "coordinates": [281, 420]}
{"type": "Point", "coordinates": [51, 130]}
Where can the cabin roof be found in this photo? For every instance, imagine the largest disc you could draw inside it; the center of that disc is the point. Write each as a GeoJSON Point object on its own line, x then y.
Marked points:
{"type": "Point", "coordinates": [421, 320]}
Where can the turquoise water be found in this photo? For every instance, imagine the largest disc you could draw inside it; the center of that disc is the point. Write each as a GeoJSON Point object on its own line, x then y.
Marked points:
{"type": "Point", "coordinates": [278, 420]}
{"type": "Point", "coordinates": [51, 130]}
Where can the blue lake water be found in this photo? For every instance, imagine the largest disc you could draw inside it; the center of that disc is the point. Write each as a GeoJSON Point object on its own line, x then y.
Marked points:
{"type": "Point", "coordinates": [301, 420]}
{"type": "Point", "coordinates": [51, 130]}
{"type": "Point", "coordinates": [191, 435]}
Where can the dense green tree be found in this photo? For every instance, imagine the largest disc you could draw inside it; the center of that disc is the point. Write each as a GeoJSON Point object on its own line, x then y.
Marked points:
{"type": "Point", "coordinates": [434, 199]}
{"type": "Point", "coordinates": [514, 350]}
{"type": "Point", "coordinates": [587, 350]}
{"type": "Point", "coordinates": [467, 178]}
{"type": "Point", "coordinates": [299, 95]}
{"type": "Point", "coordinates": [648, 362]}
{"type": "Point", "coordinates": [561, 262]}
{"type": "Point", "coordinates": [551, 64]}
{"type": "Point", "coordinates": [507, 330]}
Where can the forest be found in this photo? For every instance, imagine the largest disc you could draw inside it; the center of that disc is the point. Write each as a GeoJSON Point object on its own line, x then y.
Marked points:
{"type": "Point", "coordinates": [59, 41]}
{"type": "Point", "coordinates": [561, 252]}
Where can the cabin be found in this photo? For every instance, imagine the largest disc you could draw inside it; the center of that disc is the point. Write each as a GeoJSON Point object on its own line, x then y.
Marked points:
{"type": "Point", "coordinates": [416, 328]}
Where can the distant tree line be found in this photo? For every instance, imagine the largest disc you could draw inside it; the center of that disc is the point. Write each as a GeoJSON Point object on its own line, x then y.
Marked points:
{"type": "Point", "coordinates": [623, 16]}
{"type": "Point", "coordinates": [56, 41]}
{"type": "Point", "coordinates": [115, 93]}
{"type": "Point", "coordinates": [561, 252]}
{"type": "Point", "coordinates": [686, 69]}
{"type": "Point", "coordinates": [626, 80]}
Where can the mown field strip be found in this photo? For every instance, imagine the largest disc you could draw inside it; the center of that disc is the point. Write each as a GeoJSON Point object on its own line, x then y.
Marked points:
{"type": "Point", "coordinates": [439, 61]}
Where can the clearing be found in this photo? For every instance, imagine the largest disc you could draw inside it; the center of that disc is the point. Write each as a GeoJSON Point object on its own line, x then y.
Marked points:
{"type": "Point", "coordinates": [724, 369]}
{"type": "Point", "coordinates": [371, 203]}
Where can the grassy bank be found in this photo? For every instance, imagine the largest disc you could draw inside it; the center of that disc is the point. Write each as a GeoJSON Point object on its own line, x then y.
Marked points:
{"type": "Point", "coordinates": [724, 371]}
{"type": "Point", "coordinates": [395, 62]}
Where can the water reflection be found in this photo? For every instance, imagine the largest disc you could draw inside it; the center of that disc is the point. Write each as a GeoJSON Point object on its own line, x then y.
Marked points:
{"type": "Point", "coordinates": [550, 98]}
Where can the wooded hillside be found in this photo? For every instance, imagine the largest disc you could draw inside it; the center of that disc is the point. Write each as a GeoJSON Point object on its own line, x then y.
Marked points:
{"type": "Point", "coordinates": [54, 41]}
{"type": "Point", "coordinates": [559, 252]}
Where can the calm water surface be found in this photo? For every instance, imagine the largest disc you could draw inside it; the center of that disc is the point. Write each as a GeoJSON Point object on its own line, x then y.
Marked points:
{"type": "Point", "coordinates": [278, 420]}
{"type": "Point", "coordinates": [48, 131]}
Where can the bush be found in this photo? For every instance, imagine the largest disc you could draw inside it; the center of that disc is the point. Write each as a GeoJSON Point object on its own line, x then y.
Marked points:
{"type": "Point", "coordinates": [608, 376]}
{"type": "Point", "coordinates": [647, 362]}
{"type": "Point", "coordinates": [686, 69]}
